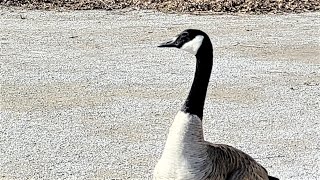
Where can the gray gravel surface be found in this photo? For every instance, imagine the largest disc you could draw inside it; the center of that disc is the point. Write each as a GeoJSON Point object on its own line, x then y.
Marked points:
{"type": "Point", "coordinates": [87, 95]}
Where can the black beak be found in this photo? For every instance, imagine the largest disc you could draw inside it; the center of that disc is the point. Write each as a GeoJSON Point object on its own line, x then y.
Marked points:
{"type": "Point", "coordinates": [168, 44]}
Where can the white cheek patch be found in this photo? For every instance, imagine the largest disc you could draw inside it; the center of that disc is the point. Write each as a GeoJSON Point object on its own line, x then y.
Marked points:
{"type": "Point", "coordinates": [193, 45]}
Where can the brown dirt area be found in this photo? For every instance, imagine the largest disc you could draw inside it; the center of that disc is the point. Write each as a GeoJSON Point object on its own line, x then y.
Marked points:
{"type": "Point", "coordinates": [184, 6]}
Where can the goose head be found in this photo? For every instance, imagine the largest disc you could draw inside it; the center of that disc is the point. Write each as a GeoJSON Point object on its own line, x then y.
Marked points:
{"type": "Point", "coordinates": [190, 40]}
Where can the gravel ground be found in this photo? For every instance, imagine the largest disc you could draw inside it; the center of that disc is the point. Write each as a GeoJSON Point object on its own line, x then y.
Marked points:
{"type": "Point", "coordinates": [186, 6]}
{"type": "Point", "coordinates": [87, 95]}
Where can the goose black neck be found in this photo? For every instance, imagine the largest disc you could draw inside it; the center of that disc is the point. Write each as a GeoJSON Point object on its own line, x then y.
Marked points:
{"type": "Point", "coordinates": [195, 101]}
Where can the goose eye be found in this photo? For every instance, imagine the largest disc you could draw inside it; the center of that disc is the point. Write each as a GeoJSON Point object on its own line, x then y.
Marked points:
{"type": "Point", "coordinates": [184, 37]}
{"type": "Point", "coordinates": [184, 34]}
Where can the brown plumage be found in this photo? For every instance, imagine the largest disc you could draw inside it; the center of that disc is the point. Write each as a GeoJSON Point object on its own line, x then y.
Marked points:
{"type": "Point", "coordinates": [233, 164]}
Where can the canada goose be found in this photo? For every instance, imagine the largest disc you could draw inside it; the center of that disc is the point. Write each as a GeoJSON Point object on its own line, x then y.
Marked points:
{"type": "Point", "coordinates": [187, 156]}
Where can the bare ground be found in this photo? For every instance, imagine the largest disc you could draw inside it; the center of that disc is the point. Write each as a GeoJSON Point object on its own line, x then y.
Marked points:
{"type": "Point", "coordinates": [87, 95]}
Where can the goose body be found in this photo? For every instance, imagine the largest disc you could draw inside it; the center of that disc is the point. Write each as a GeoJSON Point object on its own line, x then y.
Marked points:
{"type": "Point", "coordinates": [186, 155]}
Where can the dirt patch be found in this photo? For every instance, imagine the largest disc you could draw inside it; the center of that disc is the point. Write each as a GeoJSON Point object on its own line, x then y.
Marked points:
{"type": "Point", "coordinates": [186, 6]}
{"type": "Point", "coordinates": [55, 96]}
{"type": "Point", "coordinates": [299, 53]}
